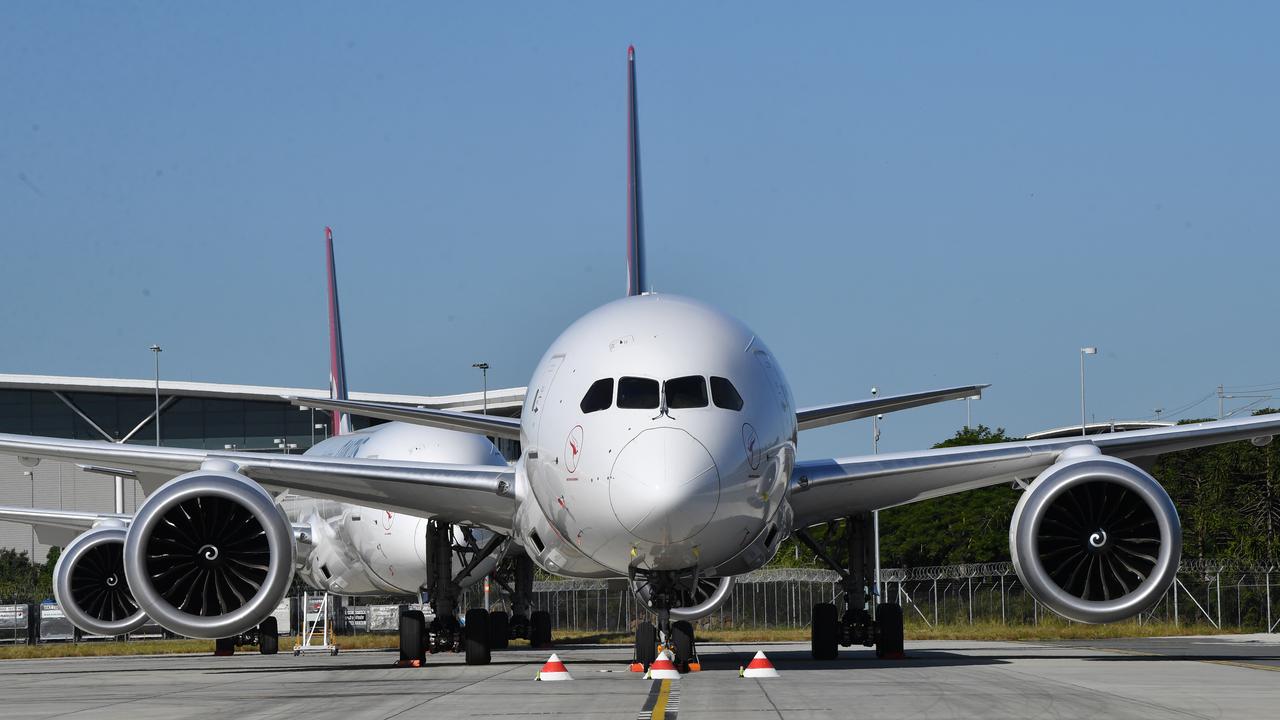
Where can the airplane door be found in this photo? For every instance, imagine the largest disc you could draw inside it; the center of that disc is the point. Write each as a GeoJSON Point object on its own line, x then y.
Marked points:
{"type": "Point", "coordinates": [538, 406]}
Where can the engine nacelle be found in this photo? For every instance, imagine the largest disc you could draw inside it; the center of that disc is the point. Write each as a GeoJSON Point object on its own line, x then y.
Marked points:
{"type": "Point", "coordinates": [705, 597]}
{"type": "Point", "coordinates": [1095, 538]}
{"type": "Point", "coordinates": [209, 554]}
{"type": "Point", "coordinates": [90, 586]}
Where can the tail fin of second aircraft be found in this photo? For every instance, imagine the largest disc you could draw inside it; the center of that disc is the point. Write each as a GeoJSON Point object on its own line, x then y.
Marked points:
{"type": "Point", "coordinates": [337, 361]}
{"type": "Point", "coordinates": [637, 282]}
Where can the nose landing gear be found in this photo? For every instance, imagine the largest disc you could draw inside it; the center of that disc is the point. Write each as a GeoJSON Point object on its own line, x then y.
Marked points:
{"type": "Point", "coordinates": [856, 625]}
{"type": "Point", "coordinates": [663, 591]}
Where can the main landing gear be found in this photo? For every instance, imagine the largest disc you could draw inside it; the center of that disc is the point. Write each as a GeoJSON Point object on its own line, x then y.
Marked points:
{"type": "Point", "coordinates": [832, 628]}
{"type": "Point", "coordinates": [266, 636]}
{"type": "Point", "coordinates": [662, 591]}
{"type": "Point", "coordinates": [481, 631]}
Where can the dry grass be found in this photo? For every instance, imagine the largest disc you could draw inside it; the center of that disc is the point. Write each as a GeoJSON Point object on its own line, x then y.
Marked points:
{"type": "Point", "coordinates": [1048, 630]}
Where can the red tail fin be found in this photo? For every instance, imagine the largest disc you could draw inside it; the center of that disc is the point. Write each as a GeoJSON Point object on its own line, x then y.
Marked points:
{"type": "Point", "coordinates": [337, 361]}
{"type": "Point", "coordinates": [636, 281]}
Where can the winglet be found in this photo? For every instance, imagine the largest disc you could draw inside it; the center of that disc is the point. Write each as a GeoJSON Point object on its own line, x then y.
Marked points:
{"type": "Point", "coordinates": [337, 360]}
{"type": "Point", "coordinates": [637, 283]}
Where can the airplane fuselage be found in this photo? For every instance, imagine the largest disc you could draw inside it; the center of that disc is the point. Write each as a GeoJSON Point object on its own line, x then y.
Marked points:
{"type": "Point", "coordinates": [658, 434]}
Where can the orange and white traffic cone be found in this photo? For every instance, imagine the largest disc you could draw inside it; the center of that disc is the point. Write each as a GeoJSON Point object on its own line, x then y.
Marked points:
{"type": "Point", "coordinates": [759, 667]}
{"type": "Point", "coordinates": [553, 669]}
{"type": "Point", "coordinates": [663, 668]}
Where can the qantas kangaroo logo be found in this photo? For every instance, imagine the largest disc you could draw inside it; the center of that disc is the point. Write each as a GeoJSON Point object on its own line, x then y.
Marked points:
{"type": "Point", "coordinates": [573, 449]}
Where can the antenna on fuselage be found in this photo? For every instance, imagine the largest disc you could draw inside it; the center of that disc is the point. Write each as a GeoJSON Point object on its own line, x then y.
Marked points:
{"type": "Point", "coordinates": [637, 282]}
{"type": "Point", "coordinates": [337, 359]}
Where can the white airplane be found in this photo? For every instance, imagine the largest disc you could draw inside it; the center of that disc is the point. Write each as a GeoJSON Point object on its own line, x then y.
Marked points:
{"type": "Point", "coordinates": [659, 444]}
{"type": "Point", "coordinates": [341, 548]}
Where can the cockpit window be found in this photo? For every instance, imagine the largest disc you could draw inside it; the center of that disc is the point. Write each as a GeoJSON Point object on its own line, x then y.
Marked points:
{"type": "Point", "coordinates": [637, 393]}
{"type": "Point", "coordinates": [724, 394]}
{"type": "Point", "coordinates": [599, 396]}
{"type": "Point", "coordinates": [686, 392]}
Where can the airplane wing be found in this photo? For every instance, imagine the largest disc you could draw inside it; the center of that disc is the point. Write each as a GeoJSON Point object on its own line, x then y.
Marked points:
{"type": "Point", "coordinates": [495, 425]}
{"type": "Point", "coordinates": [824, 490]}
{"type": "Point", "coordinates": [481, 494]}
{"type": "Point", "coordinates": [823, 415]}
{"type": "Point", "coordinates": [59, 527]}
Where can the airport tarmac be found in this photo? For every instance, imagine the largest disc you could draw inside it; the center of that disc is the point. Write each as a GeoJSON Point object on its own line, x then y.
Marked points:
{"type": "Point", "coordinates": [1203, 677]}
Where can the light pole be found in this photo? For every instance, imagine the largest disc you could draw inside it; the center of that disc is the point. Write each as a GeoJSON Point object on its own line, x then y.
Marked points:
{"type": "Point", "coordinates": [304, 408]}
{"type": "Point", "coordinates": [31, 474]}
{"type": "Point", "coordinates": [156, 350]}
{"type": "Point", "coordinates": [875, 514]}
{"type": "Point", "coordinates": [1084, 351]}
{"type": "Point", "coordinates": [484, 374]}
{"type": "Point", "coordinates": [1158, 411]}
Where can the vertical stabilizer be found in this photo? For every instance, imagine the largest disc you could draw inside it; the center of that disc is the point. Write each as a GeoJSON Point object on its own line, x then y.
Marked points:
{"type": "Point", "coordinates": [637, 282]}
{"type": "Point", "coordinates": [337, 361]}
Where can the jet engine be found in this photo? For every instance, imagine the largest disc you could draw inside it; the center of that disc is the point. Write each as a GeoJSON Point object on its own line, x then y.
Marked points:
{"type": "Point", "coordinates": [1095, 538]}
{"type": "Point", "coordinates": [90, 586]}
{"type": "Point", "coordinates": [209, 554]}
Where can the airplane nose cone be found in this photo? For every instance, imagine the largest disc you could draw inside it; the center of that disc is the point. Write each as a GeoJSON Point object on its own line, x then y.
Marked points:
{"type": "Point", "coordinates": [664, 486]}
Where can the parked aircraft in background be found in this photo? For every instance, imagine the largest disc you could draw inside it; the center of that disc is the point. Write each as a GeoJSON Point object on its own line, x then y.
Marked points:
{"type": "Point", "coordinates": [659, 442]}
{"type": "Point", "coordinates": [339, 547]}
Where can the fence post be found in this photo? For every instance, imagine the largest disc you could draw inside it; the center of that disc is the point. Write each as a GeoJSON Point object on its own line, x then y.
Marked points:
{"type": "Point", "coordinates": [935, 601]}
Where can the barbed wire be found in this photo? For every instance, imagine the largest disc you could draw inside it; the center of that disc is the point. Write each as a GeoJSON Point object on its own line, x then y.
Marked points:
{"type": "Point", "coordinates": [959, 571]}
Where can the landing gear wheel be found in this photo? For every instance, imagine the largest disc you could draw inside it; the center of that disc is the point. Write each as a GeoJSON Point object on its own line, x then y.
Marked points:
{"type": "Point", "coordinates": [413, 636]}
{"type": "Point", "coordinates": [646, 643]}
{"type": "Point", "coordinates": [824, 641]}
{"type": "Point", "coordinates": [499, 630]}
{"type": "Point", "coordinates": [475, 637]}
{"type": "Point", "coordinates": [540, 629]}
{"type": "Point", "coordinates": [682, 640]}
{"type": "Point", "coordinates": [224, 646]}
{"type": "Point", "coordinates": [889, 643]}
{"type": "Point", "coordinates": [269, 637]}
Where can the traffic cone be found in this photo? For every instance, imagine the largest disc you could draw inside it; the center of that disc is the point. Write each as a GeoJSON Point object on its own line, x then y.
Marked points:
{"type": "Point", "coordinates": [553, 669]}
{"type": "Point", "coordinates": [759, 667]}
{"type": "Point", "coordinates": [663, 668]}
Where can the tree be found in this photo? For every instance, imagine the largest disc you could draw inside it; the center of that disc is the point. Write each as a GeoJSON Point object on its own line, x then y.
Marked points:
{"type": "Point", "coordinates": [970, 526]}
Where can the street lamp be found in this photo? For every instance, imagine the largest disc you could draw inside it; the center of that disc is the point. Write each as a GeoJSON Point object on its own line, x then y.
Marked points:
{"type": "Point", "coordinates": [31, 474]}
{"type": "Point", "coordinates": [484, 373]}
{"type": "Point", "coordinates": [875, 514]}
{"type": "Point", "coordinates": [1084, 351]}
{"type": "Point", "coordinates": [156, 350]}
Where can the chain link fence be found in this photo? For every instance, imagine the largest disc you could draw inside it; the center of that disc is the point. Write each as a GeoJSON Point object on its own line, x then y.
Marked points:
{"type": "Point", "coordinates": [1223, 594]}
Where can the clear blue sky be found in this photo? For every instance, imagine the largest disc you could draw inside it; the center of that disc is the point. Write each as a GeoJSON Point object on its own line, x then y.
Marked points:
{"type": "Point", "coordinates": [908, 198]}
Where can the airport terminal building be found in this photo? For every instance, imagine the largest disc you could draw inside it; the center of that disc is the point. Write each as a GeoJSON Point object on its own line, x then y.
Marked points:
{"type": "Point", "coordinates": [212, 416]}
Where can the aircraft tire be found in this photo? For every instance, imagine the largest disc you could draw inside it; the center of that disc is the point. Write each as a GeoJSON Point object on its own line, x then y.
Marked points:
{"type": "Point", "coordinates": [269, 637]}
{"type": "Point", "coordinates": [540, 629]}
{"type": "Point", "coordinates": [224, 646]}
{"type": "Point", "coordinates": [499, 630]}
{"type": "Point", "coordinates": [682, 639]}
{"type": "Point", "coordinates": [413, 636]}
{"type": "Point", "coordinates": [891, 640]}
{"type": "Point", "coordinates": [646, 643]}
{"type": "Point", "coordinates": [475, 637]}
{"type": "Point", "coordinates": [824, 637]}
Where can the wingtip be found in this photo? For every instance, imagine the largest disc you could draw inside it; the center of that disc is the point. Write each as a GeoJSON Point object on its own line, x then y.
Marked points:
{"type": "Point", "coordinates": [328, 233]}
{"type": "Point", "coordinates": [631, 52]}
